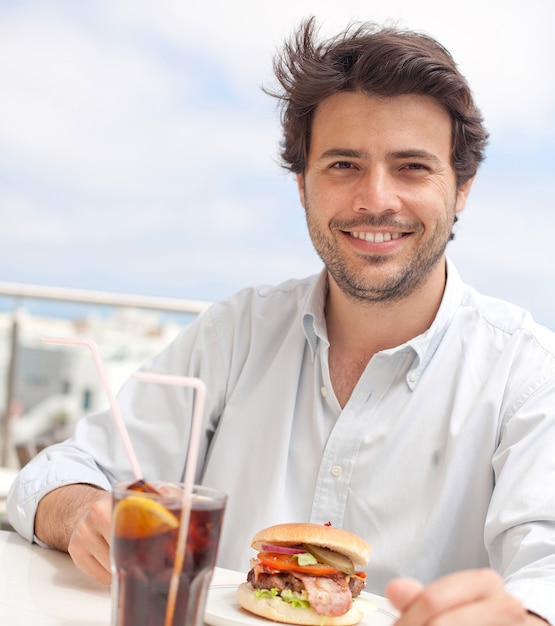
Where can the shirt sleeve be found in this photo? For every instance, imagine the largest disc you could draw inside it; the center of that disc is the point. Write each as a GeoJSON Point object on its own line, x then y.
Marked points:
{"type": "Point", "coordinates": [520, 527]}
{"type": "Point", "coordinates": [59, 465]}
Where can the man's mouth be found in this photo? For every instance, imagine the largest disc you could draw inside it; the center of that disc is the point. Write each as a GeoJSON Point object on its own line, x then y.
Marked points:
{"type": "Point", "coordinates": [375, 237]}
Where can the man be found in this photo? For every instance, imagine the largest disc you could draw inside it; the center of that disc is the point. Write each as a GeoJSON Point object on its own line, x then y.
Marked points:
{"type": "Point", "coordinates": [384, 395]}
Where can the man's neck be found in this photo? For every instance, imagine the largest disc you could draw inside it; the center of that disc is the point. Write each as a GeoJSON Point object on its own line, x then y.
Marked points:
{"type": "Point", "coordinates": [358, 330]}
{"type": "Point", "coordinates": [369, 327]}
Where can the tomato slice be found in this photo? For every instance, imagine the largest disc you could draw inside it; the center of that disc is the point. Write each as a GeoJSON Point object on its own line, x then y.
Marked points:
{"type": "Point", "coordinates": [286, 563]}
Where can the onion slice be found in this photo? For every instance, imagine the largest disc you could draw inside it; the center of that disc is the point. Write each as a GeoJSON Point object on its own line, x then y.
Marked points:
{"type": "Point", "coordinates": [282, 549]}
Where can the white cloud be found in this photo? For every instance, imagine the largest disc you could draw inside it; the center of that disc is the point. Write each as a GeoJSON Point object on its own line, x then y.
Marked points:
{"type": "Point", "coordinates": [139, 131]}
{"type": "Point", "coordinates": [106, 114]}
{"type": "Point", "coordinates": [511, 227]}
{"type": "Point", "coordinates": [29, 223]}
{"type": "Point", "coordinates": [505, 50]}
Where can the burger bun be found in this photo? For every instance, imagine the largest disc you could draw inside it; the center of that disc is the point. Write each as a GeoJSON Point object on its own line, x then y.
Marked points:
{"type": "Point", "coordinates": [278, 610]}
{"type": "Point", "coordinates": [336, 539]}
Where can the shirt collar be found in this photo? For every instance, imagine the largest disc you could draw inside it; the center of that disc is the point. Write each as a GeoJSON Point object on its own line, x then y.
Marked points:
{"type": "Point", "coordinates": [313, 318]}
{"type": "Point", "coordinates": [423, 345]}
{"type": "Point", "coordinates": [426, 344]}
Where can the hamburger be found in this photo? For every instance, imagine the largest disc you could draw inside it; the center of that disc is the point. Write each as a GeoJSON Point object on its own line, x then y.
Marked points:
{"type": "Point", "coordinates": [305, 574]}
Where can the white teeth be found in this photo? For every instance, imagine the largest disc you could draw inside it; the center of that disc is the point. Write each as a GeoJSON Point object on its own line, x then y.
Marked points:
{"type": "Point", "coordinates": [376, 237]}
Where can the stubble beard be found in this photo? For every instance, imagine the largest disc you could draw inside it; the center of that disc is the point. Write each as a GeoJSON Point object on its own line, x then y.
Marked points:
{"type": "Point", "coordinates": [394, 286]}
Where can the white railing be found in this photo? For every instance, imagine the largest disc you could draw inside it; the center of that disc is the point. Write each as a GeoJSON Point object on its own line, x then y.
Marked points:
{"type": "Point", "coordinates": [63, 294]}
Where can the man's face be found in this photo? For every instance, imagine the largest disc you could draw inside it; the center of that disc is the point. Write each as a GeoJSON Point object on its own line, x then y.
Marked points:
{"type": "Point", "coordinates": [379, 192]}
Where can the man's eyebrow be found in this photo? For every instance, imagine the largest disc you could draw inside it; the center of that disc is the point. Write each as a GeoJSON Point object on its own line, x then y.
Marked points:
{"type": "Point", "coordinates": [414, 154]}
{"type": "Point", "coordinates": [348, 153]}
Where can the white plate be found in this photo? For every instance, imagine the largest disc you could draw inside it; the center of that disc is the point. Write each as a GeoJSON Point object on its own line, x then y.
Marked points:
{"type": "Point", "coordinates": [223, 610]}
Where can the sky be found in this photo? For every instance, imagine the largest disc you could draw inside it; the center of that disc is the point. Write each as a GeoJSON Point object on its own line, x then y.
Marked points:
{"type": "Point", "coordinates": [139, 154]}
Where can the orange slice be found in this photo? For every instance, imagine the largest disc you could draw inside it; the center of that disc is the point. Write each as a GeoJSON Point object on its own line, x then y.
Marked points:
{"type": "Point", "coordinates": [136, 517]}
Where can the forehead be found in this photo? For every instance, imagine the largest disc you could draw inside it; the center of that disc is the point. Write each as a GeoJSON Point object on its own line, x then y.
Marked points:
{"type": "Point", "coordinates": [369, 122]}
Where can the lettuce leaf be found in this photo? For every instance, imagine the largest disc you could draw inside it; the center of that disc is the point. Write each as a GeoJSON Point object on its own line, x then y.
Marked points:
{"type": "Point", "coordinates": [305, 558]}
{"type": "Point", "coordinates": [294, 598]}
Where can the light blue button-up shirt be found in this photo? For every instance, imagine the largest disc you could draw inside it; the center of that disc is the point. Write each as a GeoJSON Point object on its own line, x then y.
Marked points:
{"type": "Point", "coordinates": [442, 459]}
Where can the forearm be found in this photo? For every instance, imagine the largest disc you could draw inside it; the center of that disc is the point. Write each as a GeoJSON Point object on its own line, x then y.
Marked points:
{"type": "Point", "coordinates": [58, 512]}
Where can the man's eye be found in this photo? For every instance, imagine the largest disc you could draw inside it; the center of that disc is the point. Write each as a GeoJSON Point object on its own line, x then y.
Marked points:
{"type": "Point", "coordinates": [342, 165]}
{"type": "Point", "coordinates": [415, 166]}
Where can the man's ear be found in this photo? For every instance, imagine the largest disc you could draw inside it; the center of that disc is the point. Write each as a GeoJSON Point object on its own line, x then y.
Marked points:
{"type": "Point", "coordinates": [462, 194]}
{"type": "Point", "coordinates": [300, 187]}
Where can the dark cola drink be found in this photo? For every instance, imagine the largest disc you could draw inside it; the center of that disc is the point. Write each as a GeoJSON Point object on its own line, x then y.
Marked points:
{"type": "Point", "coordinates": [144, 541]}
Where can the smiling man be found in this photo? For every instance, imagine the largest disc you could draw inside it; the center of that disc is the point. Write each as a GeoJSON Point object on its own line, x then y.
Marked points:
{"type": "Point", "coordinates": [384, 395]}
{"type": "Point", "coordinates": [380, 193]}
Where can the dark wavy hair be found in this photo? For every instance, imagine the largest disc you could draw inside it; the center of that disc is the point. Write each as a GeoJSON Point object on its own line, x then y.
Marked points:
{"type": "Point", "coordinates": [385, 61]}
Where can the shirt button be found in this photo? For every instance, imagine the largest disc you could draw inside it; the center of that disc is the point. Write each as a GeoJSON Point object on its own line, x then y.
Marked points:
{"type": "Point", "coordinates": [413, 377]}
{"type": "Point", "coordinates": [336, 470]}
{"type": "Point", "coordinates": [324, 392]}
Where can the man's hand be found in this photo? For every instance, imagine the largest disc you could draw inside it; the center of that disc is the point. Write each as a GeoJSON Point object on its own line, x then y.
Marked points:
{"type": "Point", "coordinates": [76, 519]}
{"type": "Point", "coordinates": [89, 544]}
{"type": "Point", "coordinates": [476, 597]}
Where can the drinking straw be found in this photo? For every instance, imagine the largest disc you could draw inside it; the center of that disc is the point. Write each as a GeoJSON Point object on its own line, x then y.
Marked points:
{"type": "Point", "coordinates": [189, 477]}
{"type": "Point", "coordinates": [91, 345]}
{"type": "Point", "coordinates": [192, 449]}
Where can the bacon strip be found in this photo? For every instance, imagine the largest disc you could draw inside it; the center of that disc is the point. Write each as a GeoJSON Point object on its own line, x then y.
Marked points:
{"type": "Point", "coordinates": [327, 596]}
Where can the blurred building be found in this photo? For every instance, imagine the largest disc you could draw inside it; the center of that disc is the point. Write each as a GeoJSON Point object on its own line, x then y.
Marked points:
{"type": "Point", "coordinates": [54, 385]}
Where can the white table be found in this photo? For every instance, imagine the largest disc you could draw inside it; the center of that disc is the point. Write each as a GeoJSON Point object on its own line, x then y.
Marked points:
{"type": "Point", "coordinates": [41, 587]}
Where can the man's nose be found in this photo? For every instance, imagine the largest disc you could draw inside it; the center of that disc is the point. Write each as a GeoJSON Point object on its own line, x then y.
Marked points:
{"type": "Point", "coordinates": [376, 192]}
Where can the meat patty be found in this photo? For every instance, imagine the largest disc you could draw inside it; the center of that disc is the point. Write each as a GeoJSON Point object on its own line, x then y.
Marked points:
{"type": "Point", "coordinates": [280, 582]}
{"type": "Point", "coordinates": [356, 585]}
{"type": "Point", "coordinates": [286, 580]}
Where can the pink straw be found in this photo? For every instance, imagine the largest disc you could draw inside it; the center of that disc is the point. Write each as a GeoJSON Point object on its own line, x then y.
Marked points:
{"type": "Point", "coordinates": [192, 450]}
{"type": "Point", "coordinates": [189, 478]}
{"type": "Point", "coordinates": [111, 399]}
